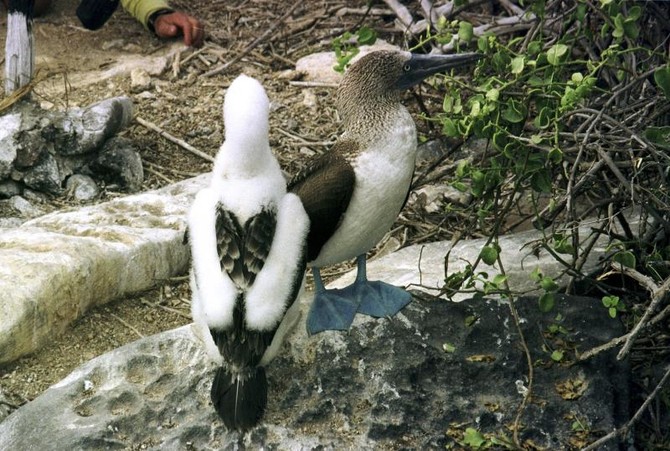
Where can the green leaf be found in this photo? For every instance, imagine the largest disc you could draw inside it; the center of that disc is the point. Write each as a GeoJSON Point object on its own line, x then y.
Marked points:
{"type": "Point", "coordinates": [460, 186]}
{"type": "Point", "coordinates": [610, 301]}
{"type": "Point", "coordinates": [470, 320]}
{"type": "Point", "coordinates": [662, 79]}
{"type": "Point", "coordinates": [555, 53]}
{"type": "Point", "coordinates": [483, 44]}
{"type": "Point", "coordinates": [536, 275]}
{"type": "Point", "coordinates": [461, 168]}
{"type": "Point", "coordinates": [449, 128]}
{"type": "Point", "coordinates": [612, 312]}
{"type": "Point", "coordinates": [555, 155]}
{"type": "Point", "coordinates": [658, 135]}
{"type": "Point", "coordinates": [366, 36]}
{"type": "Point", "coordinates": [448, 347]}
{"type": "Point", "coordinates": [515, 112]}
{"type": "Point", "coordinates": [634, 13]}
{"type": "Point", "coordinates": [625, 258]}
{"type": "Point", "coordinates": [499, 279]}
{"type": "Point", "coordinates": [618, 26]}
{"type": "Point", "coordinates": [541, 181]}
{"type": "Point", "coordinates": [631, 29]}
{"type": "Point", "coordinates": [557, 356]}
{"type": "Point", "coordinates": [489, 255]}
{"type": "Point", "coordinates": [492, 94]}
{"type": "Point", "coordinates": [546, 302]}
{"type": "Point", "coordinates": [474, 438]}
{"type": "Point", "coordinates": [548, 284]}
{"type": "Point", "coordinates": [465, 31]}
{"type": "Point", "coordinates": [518, 64]}
{"type": "Point", "coordinates": [534, 48]}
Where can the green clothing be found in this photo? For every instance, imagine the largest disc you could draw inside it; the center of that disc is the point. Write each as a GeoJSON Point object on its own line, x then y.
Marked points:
{"type": "Point", "coordinates": [142, 9]}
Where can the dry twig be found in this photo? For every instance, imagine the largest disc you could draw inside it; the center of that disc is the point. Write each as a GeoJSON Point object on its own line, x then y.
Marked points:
{"type": "Point", "coordinates": [623, 430]}
{"type": "Point", "coordinates": [269, 32]}
{"type": "Point", "coordinates": [181, 143]}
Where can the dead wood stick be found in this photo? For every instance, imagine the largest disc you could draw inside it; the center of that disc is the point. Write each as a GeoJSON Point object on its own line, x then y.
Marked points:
{"type": "Point", "coordinates": [616, 341]}
{"type": "Point", "coordinates": [657, 295]}
{"type": "Point", "coordinates": [181, 143]}
{"type": "Point", "coordinates": [401, 12]}
{"type": "Point", "coordinates": [625, 428]}
{"type": "Point", "coordinates": [125, 323]}
{"type": "Point", "coordinates": [166, 308]}
{"type": "Point", "coordinates": [269, 32]}
{"type": "Point", "coordinates": [158, 174]}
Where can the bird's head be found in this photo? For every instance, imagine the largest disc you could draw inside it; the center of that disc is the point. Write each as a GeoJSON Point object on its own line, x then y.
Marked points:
{"type": "Point", "coordinates": [384, 74]}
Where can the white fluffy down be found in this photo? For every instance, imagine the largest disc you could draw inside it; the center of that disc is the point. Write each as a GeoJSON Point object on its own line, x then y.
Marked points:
{"type": "Point", "coordinates": [216, 293]}
{"type": "Point", "coordinates": [267, 299]}
{"type": "Point", "coordinates": [246, 178]}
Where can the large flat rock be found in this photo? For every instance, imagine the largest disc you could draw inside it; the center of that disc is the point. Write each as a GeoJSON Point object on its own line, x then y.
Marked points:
{"type": "Point", "coordinates": [54, 268]}
{"type": "Point", "coordinates": [385, 384]}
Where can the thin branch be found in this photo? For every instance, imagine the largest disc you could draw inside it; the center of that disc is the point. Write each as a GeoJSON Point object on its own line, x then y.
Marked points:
{"type": "Point", "coordinates": [657, 295]}
{"type": "Point", "coordinates": [125, 323]}
{"type": "Point", "coordinates": [181, 143]}
{"type": "Point", "coordinates": [269, 32]}
{"type": "Point", "coordinates": [623, 430]}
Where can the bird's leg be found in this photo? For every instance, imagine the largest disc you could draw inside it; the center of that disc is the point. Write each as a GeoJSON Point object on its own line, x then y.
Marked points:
{"type": "Point", "coordinates": [376, 298]}
{"type": "Point", "coordinates": [331, 309]}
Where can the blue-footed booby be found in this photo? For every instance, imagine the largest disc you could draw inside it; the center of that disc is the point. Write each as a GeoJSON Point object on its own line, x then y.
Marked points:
{"type": "Point", "coordinates": [354, 192]}
{"type": "Point", "coordinates": [248, 244]}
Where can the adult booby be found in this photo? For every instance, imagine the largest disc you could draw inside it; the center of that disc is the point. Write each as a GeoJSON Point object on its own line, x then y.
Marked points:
{"type": "Point", "coordinates": [248, 243]}
{"type": "Point", "coordinates": [354, 192]}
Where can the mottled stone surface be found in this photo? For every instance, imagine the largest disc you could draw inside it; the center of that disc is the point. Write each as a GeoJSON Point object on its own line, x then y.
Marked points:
{"type": "Point", "coordinates": [55, 267]}
{"type": "Point", "coordinates": [40, 149]}
{"type": "Point", "coordinates": [384, 384]}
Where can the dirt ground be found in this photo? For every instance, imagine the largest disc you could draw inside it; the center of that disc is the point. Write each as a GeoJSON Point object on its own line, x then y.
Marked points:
{"type": "Point", "coordinates": [186, 104]}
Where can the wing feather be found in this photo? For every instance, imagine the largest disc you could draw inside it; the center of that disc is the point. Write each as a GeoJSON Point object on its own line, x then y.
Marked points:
{"type": "Point", "coordinates": [325, 187]}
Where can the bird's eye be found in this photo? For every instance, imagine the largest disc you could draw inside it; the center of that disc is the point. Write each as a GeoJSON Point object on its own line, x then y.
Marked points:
{"type": "Point", "coordinates": [407, 68]}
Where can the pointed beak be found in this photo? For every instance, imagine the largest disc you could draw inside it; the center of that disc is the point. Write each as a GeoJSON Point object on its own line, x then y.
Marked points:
{"type": "Point", "coordinates": [421, 66]}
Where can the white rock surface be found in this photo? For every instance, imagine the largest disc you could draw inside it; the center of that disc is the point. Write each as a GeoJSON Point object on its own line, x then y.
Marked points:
{"type": "Point", "coordinates": [422, 267]}
{"type": "Point", "coordinates": [55, 267]}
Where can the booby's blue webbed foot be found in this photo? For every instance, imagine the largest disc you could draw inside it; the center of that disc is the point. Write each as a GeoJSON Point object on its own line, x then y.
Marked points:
{"type": "Point", "coordinates": [335, 309]}
{"type": "Point", "coordinates": [330, 309]}
{"type": "Point", "coordinates": [380, 299]}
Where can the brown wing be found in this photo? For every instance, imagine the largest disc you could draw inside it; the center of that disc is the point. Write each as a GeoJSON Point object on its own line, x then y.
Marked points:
{"type": "Point", "coordinates": [325, 187]}
{"type": "Point", "coordinates": [244, 249]}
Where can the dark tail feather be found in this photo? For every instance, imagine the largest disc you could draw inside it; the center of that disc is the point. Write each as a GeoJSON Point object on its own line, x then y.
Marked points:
{"type": "Point", "coordinates": [240, 402]}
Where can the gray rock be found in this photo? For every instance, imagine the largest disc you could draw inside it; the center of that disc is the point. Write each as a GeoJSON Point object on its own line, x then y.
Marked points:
{"type": "Point", "coordinates": [120, 164]}
{"type": "Point", "coordinates": [10, 223]}
{"type": "Point", "coordinates": [430, 150]}
{"type": "Point", "coordinates": [82, 187]}
{"type": "Point", "coordinates": [384, 384]}
{"type": "Point", "coordinates": [54, 268]}
{"type": "Point", "coordinates": [45, 175]}
{"type": "Point", "coordinates": [30, 149]}
{"type": "Point", "coordinates": [9, 126]}
{"type": "Point", "coordinates": [433, 198]}
{"type": "Point", "coordinates": [23, 207]}
{"type": "Point", "coordinates": [140, 80]}
{"type": "Point", "coordinates": [83, 130]}
{"type": "Point", "coordinates": [9, 188]}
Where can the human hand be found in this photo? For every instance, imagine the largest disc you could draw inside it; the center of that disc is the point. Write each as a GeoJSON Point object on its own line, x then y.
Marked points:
{"type": "Point", "coordinates": [179, 23]}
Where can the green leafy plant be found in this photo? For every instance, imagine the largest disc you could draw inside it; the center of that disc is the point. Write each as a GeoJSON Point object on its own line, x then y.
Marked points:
{"type": "Point", "coordinates": [613, 305]}
{"type": "Point", "coordinates": [347, 45]}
